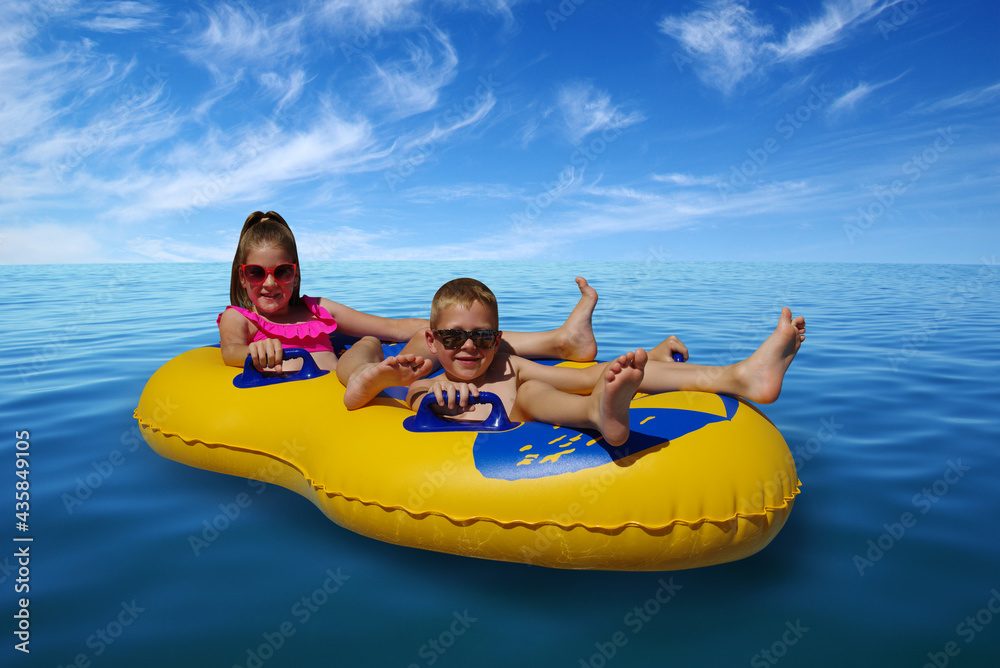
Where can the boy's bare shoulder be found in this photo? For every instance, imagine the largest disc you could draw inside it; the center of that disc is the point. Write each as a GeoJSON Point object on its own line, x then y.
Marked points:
{"type": "Point", "coordinates": [509, 362]}
{"type": "Point", "coordinates": [514, 366]}
{"type": "Point", "coordinates": [503, 367]}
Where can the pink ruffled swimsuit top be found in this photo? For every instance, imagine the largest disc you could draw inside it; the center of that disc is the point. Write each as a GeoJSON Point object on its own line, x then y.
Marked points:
{"type": "Point", "coordinates": [313, 336]}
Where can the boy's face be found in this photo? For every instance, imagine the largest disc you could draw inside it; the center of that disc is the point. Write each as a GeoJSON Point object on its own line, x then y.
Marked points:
{"type": "Point", "coordinates": [468, 362]}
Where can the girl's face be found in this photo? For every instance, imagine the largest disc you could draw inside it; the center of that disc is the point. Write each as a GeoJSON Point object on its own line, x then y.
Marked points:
{"type": "Point", "coordinates": [269, 297]}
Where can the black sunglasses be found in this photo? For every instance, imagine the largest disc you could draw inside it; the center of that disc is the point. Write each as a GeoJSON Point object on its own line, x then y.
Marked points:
{"type": "Point", "coordinates": [456, 338]}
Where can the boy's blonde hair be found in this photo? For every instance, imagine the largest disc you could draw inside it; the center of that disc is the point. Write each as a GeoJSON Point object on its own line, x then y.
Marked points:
{"type": "Point", "coordinates": [262, 230]}
{"type": "Point", "coordinates": [463, 292]}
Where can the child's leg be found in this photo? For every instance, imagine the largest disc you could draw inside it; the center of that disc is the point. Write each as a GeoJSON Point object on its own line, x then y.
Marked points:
{"type": "Point", "coordinates": [757, 378]}
{"type": "Point", "coordinates": [573, 340]}
{"type": "Point", "coordinates": [365, 371]}
{"type": "Point", "coordinates": [365, 351]}
{"type": "Point", "coordinates": [605, 409]}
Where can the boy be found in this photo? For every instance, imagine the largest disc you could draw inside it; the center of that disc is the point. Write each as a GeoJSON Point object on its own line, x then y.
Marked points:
{"type": "Point", "coordinates": [464, 336]}
{"type": "Point", "coordinates": [365, 371]}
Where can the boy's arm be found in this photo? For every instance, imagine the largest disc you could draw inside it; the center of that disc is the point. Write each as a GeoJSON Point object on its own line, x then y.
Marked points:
{"type": "Point", "coordinates": [416, 392]}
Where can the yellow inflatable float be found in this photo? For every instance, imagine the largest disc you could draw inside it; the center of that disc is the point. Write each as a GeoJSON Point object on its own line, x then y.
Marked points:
{"type": "Point", "coordinates": [704, 479]}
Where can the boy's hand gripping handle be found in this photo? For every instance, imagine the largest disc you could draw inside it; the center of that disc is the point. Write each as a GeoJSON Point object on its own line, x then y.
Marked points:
{"type": "Point", "coordinates": [427, 420]}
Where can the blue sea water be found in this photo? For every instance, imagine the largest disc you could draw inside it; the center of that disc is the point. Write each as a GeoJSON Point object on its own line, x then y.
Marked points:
{"type": "Point", "coordinates": [891, 556]}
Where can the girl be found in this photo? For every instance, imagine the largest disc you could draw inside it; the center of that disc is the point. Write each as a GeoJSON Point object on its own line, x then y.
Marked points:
{"type": "Point", "coordinates": [268, 313]}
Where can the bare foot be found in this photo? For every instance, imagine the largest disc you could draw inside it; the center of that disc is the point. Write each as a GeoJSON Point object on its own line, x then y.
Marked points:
{"type": "Point", "coordinates": [576, 335]}
{"type": "Point", "coordinates": [614, 394]}
{"type": "Point", "coordinates": [371, 379]}
{"type": "Point", "coordinates": [762, 373]}
{"type": "Point", "coordinates": [664, 350]}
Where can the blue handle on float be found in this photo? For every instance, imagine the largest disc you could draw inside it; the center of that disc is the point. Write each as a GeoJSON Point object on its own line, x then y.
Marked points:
{"type": "Point", "coordinates": [427, 420]}
{"type": "Point", "coordinates": [678, 357]}
{"type": "Point", "coordinates": [251, 377]}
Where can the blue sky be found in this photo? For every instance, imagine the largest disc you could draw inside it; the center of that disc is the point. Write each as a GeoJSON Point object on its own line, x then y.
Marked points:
{"type": "Point", "coordinates": [845, 130]}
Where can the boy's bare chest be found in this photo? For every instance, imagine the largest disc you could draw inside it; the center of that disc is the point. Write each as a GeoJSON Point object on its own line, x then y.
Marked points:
{"type": "Point", "coordinates": [501, 381]}
{"type": "Point", "coordinates": [505, 389]}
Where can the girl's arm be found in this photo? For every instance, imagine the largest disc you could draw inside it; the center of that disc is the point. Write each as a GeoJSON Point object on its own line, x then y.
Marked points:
{"type": "Point", "coordinates": [234, 331]}
{"type": "Point", "coordinates": [356, 323]}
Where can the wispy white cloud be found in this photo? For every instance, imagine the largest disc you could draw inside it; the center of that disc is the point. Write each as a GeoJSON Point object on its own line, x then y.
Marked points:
{"type": "Point", "coordinates": [463, 191]}
{"type": "Point", "coordinates": [245, 160]}
{"type": "Point", "coordinates": [502, 8]}
{"type": "Point", "coordinates": [416, 148]}
{"type": "Point", "coordinates": [727, 42]}
{"type": "Point", "coordinates": [344, 242]}
{"type": "Point", "coordinates": [586, 109]}
{"type": "Point", "coordinates": [239, 45]}
{"type": "Point", "coordinates": [248, 167]}
{"type": "Point", "coordinates": [452, 122]}
{"type": "Point", "coordinates": [586, 214]}
{"type": "Point", "coordinates": [156, 249]}
{"type": "Point", "coordinates": [137, 117]}
{"type": "Point", "coordinates": [257, 104]}
{"type": "Point", "coordinates": [41, 88]}
{"type": "Point", "coordinates": [287, 90]}
{"type": "Point", "coordinates": [412, 85]}
{"type": "Point", "coordinates": [851, 98]}
{"type": "Point", "coordinates": [116, 24]}
{"type": "Point", "coordinates": [370, 17]}
{"type": "Point", "coordinates": [238, 34]}
{"type": "Point", "coordinates": [969, 99]}
{"type": "Point", "coordinates": [595, 212]}
{"type": "Point", "coordinates": [70, 109]}
{"type": "Point", "coordinates": [43, 243]}
{"type": "Point", "coordinates": [121, 17]}
{"type": "Point", "coordinates": [529, 131]}
{"type": "Point", "coordinates": [826, 29]}
{"type": "Point", "coordinates": [686, 180]}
